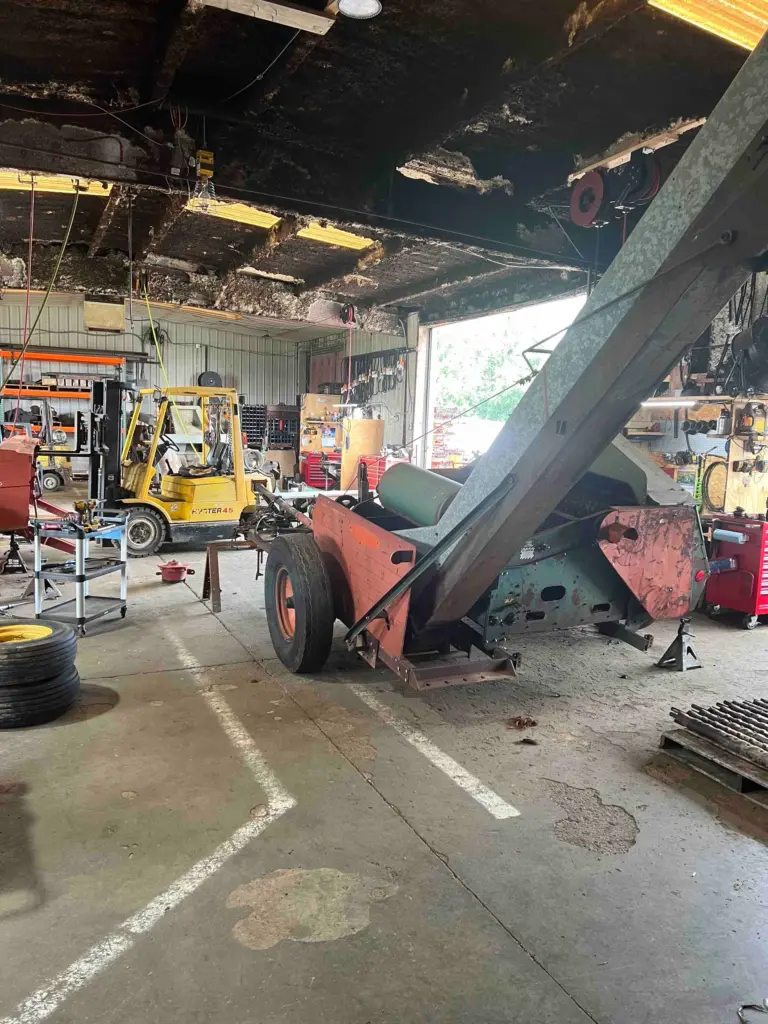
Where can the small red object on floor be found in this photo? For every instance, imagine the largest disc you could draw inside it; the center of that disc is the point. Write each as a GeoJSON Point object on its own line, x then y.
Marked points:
{"type": "Point", "coordinates": [174, 572]}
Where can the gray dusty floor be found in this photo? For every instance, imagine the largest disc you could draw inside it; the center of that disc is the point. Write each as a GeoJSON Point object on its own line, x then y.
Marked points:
{"type": "Point", "coordinates": [205, 838]}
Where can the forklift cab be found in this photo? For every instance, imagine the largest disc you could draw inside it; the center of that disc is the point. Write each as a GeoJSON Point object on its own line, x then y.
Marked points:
{"type": "Point", "coordinates": [183, 476]}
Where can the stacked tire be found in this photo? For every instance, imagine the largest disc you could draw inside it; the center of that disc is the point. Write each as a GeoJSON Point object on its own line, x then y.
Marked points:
{"type": "Point", "coordinates": [38, 678]}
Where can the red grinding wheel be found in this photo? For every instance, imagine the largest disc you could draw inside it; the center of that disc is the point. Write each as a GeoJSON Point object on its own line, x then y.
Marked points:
{"type": "Point", "coordinates": [587, 198]}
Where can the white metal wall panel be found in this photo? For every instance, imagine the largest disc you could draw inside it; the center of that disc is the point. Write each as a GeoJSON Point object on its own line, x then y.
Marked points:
{"type": "Point", "coordinates": [333, 367]}
{"type": "Point", "coordinates": [263, 368]}
{"type": "Point", "coordinates": [267, 369]}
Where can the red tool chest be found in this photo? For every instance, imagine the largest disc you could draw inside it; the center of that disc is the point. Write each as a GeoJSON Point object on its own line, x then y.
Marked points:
{"type": "Point", "coordinates": [745, 587]}
{"type": "Point", "coordinates": [314, 469]}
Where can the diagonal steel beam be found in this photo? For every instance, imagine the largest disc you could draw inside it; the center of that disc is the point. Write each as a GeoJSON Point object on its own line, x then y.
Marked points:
{"type": "Point", "coordinates": [686, 258]}
{"type": "Point", "coordinates": [184, 34]}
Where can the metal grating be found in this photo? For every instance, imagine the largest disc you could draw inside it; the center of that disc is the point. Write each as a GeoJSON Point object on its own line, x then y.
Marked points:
{"type": "Point", "coordinates": [740, 726]}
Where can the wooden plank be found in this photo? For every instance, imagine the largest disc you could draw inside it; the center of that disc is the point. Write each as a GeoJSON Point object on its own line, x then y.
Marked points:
{"type": "Point", "coordinates": [284, 13]}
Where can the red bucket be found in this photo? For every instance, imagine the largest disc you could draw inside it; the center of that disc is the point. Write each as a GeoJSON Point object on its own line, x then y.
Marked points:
{"type": "Point", "coordinates": [174, 572]}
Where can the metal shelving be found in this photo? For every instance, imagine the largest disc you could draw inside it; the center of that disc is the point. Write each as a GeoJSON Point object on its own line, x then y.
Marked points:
{"type": "Point", "coordinates": [83, 607]}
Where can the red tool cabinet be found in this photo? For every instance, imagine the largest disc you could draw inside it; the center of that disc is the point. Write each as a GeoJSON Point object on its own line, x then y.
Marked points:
{"type": "Point", "coordinates": [314, 471]}
{"type": "Point", "coordinates": [745, 588]}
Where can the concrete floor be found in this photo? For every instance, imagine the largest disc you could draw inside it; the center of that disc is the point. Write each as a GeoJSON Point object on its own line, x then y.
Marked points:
{"type": "Point", "coordinates": [206, 838]}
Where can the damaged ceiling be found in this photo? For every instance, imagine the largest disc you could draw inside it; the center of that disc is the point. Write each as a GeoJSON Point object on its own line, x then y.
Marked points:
{"type": "Point", "coordinates": [419, 160]}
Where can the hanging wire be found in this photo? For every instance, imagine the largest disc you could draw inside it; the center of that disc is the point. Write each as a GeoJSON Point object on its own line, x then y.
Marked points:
{"type": "Point", "coordinates": [261, 74]}
{"type": "Point", "coordinates": [48, 290]}
{"type": "Point", "coordinates": [29, 291]}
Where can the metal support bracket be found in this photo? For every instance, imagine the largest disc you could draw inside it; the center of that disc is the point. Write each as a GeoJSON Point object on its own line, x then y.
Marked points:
{"type": "Point", "coordinates": [642, 641]}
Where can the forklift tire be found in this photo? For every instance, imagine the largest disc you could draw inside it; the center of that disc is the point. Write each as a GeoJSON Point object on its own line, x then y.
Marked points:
{"type": "Point", "coordinates": [51, 482]}
{"type": "Point", "coordinates": [33, 650]}
{"type": "Point", "coordinates": [146, 531]}
{"type": "Point", "coordinates": [299, 603]}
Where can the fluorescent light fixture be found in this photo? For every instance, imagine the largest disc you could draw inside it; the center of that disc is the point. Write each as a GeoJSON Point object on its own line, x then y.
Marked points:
{"type": "Point", "coordinates": [316, 232]}
{"type": "Point", "coordinates": [241, 213]}
{"type": "Point", "coordinates": [742, 23]}
{"type": "Point", "coordinates": [359, 9]}
{"type": "Point", "coordinates": [671, 403]}
{"type": "Point", "coordinates": [21, 181]}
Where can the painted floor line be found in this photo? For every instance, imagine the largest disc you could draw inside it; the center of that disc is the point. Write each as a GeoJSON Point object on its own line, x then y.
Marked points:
{"type": "Point", "coordinates": [46, 1000]}
{"type": "Point", "coordinates": [486, 797]}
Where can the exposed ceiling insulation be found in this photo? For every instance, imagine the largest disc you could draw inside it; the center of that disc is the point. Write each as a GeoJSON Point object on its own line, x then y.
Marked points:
{"type": "Point", "coordinates": [419, 159]}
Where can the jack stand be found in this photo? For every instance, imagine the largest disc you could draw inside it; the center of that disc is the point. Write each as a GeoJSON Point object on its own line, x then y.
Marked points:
{"type": "Point", "coordinates": [50, 590]}
{"type": "Point", "coordinates": [12, 560]}
{"type": "Point", "coordinates": [680, 654]}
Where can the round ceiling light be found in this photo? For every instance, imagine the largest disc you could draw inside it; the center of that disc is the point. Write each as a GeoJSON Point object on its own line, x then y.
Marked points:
{"type": "Point", "coordinates": [360, 9]}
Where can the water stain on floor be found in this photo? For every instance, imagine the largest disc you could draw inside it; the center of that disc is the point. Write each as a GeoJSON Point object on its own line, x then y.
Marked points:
{"type": "Point", "coordinates": [318, 905]}
{"type": "Point", "coordinates": [602, 828]}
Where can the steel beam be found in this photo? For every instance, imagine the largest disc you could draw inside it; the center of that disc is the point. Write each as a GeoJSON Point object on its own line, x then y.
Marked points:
{"type": "Point", "coordinates": [682, 263]}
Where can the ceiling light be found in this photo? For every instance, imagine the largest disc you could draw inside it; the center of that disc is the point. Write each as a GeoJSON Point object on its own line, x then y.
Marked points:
{"type": "Point", "coordinates": [742, 23]}
{"type": "Point", "coordinates": [359, 9]}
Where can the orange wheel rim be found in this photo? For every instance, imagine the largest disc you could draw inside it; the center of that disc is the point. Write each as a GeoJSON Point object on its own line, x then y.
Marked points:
{"type": "Point", "coordinates": [286, 613]}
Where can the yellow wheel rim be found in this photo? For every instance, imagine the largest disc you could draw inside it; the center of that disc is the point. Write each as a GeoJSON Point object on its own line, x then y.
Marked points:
{"type": "Point", "coordinates": [23, 634]}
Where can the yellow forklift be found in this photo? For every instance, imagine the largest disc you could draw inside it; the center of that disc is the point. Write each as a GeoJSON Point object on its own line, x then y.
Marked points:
{"type": "Point", "coordinates": [183, 474]}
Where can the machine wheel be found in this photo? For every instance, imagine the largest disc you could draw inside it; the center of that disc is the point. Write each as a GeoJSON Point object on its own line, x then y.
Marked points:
{"type": "Point", "coordinates": [299, 603]}
{"type": "Point", "coordinates": [32, 650]}
{"type": "Point", "coordinates": [146, 531]}
{"type": "Point", "coordinates": [749, 621]}
{"type": "Point", "coordinates": [51, 482]}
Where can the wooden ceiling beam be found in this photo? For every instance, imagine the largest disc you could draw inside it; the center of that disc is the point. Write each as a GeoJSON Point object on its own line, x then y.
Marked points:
{"type": "Point", "coordinates": [283, 13]}
{"type": "Point", "coordinates": [174, 206]}
{"type": "Point", "coordinates": [119, 197]}
{"type": "Point", "coordinates": [183, 35]}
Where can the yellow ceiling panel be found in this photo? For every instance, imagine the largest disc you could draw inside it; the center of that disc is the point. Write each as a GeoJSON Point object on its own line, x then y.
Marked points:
{"type": "Point", "coordinates": [333, 236]}
{"type": "Point", "coordinates": [21, 181]}
{"type": "Point", "coordinates": [241, 213]}
{"type": "Point", "coordinates": [741, 22]}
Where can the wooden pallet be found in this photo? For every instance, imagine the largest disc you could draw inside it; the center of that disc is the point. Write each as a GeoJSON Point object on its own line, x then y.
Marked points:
{"type": "Point", "coordinates": [730, 770]}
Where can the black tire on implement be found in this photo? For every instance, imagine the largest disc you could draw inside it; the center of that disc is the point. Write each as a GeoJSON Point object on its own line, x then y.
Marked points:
{"type": "Point", "coordinates": [296, 581]}
{"type": "Point", "coordinates": [33, 704]}
{"type": "Point", "coordinates": [25, 661]}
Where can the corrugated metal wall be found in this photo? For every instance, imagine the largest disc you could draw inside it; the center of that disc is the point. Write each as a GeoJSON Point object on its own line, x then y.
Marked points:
{"type": "Point", "coordinates": [332, 367]}
{"type": "Point", "coordinates": [264, 369]}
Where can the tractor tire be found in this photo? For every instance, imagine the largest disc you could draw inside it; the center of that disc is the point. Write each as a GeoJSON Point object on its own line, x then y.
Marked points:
{"type": "Point", "coordinates": [299, 603]}
{"type": "Point", "coordinates": [146, 531]}
{"type": "Point", "coordinates": [51, 482]}
{"type": "Point", "coordinates": [34, 650]}
{"type": "Point", "coordinates": [23, 704]}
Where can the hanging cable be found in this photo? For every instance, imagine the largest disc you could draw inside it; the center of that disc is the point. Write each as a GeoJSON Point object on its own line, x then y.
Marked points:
{"type": "Point", "coordinates": [29, 291]}
{"type": "Point", "coordinates": [171, 398]}
{"type": "Point", "coordinates": [48, 290]}
{"type": "Point", "coordinates": [130, 258]}
{"type": "Point", "coordinates": [261, 74]}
